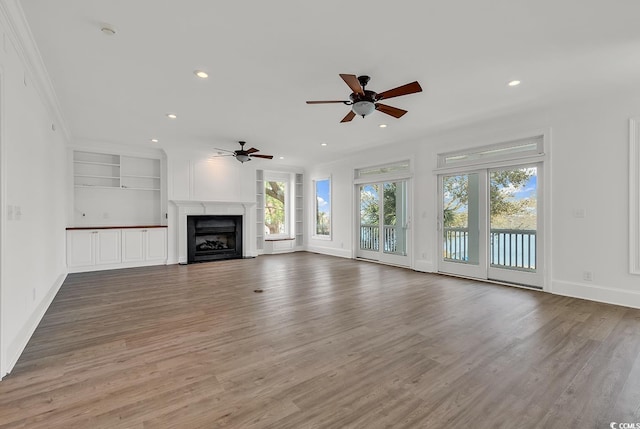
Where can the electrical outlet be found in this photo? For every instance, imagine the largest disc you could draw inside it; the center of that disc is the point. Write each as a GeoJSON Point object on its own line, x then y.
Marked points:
{"type": "Point", "coordinates": [17, 211]}
{"type": "Point", "coordinates": [342, 245]}
{"type": "Point", "coordinates": [579, 213]}
{"type": "Point", "coordinates": [587, 275]}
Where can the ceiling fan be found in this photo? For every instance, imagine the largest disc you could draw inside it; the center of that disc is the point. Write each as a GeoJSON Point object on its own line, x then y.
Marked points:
{"type": "Point", "coordinates": [364, 102]}
{"type": "Point", "coordinates": [244, 155]}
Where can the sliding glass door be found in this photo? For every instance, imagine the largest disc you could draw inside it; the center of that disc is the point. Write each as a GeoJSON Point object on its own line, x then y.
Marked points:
{"type": "Point", "coordinates": [490, 228]}
{"type": "Point", "coordinates": [383, 222]}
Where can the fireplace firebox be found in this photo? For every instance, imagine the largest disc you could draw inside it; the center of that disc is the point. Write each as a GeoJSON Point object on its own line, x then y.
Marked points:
{"type": "Point", "coordinates": [211, 238]}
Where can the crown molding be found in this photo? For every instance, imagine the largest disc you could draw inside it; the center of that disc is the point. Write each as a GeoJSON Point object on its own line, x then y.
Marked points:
{"type": "Point", "coordinates": [18, 30]}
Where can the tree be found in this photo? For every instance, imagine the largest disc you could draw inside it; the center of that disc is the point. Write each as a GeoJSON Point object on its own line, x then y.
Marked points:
{"type": "Point", "coordinates": [274, 215]}
{"type": "Point", "coordinates": [370, 204]}
{"type": "Point", "coordinates": [505, 207]}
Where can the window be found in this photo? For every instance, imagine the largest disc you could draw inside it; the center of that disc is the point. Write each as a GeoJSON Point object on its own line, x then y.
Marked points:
{"type": "Point", "coordinates": [516, 149]}
{"type": "Point", "coordinates": [279, 205]}
{"type": "Point", "coordinates": [401, 167]}
{"type": "Point", "coordinates": [275, 207]}
{"type": "Point", "coordinates": [322, 219]}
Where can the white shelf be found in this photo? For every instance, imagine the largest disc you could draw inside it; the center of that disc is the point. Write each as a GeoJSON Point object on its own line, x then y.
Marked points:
{"type": "Point", "coordinates": [97, 177]}
{"type": "Point", "coordinates": [140, 177]}
{"type": "Point", "coordinates": [96, 163]}
{"type": "Point", "coordinates": [96, 187]}
{"type": "Point", "coordinates": [139, 189]}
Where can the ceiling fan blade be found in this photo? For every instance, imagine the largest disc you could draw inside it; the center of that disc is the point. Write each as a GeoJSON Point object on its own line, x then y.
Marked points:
{"type": "Point", "coordinates": [223, 150]}
{"type": "Point", "coordinates": [349, 116]}
{"type": "Point", "coordinates": [352, 81]}
{"type": "Point", "coordinates": [262, 156]}
{"type": "Point", "coordinates": [409, 88]}
{"type": "Point", "coordinates": [252, 150]}
{"type": "Point", "coordinates": [390, 110]}
{"type": "Point", "coordinates": [220, 156]}
{"type": "Point", "coordinates": [326, 102]}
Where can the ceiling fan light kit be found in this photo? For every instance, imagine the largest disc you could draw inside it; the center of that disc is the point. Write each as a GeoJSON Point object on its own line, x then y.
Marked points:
{"type": "Point", "coordinates": [363, 102]}
{"type": "Point", "coordinates": [363, 108]}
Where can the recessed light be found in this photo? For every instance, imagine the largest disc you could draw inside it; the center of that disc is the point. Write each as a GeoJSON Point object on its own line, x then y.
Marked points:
{"type": "Point", "coordinates": [201, 74]}
{"type": "Point", "coordinates": [282, 157]}
{"type": "Point", "coordinates": [154, 140]}
{"type": "Point", "coordinates": [172, 115]}
{"type": "Point", "coordinates": [383, 125]}
{"type": "Point", "coordinates": [514, 83]}
{"type": "Point", "coordinates": [323, 144]}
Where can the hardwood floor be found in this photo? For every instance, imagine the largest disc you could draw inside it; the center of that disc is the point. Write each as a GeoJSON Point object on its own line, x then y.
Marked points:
{"type": "Point", "coordinates": [330, 343]}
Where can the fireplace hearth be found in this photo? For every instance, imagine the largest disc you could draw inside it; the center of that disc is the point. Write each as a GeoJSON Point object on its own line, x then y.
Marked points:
{"type": "Point", "coordinates": [213, 237]}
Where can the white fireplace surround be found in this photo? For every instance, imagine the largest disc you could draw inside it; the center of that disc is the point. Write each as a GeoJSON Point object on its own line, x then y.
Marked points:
{"type": "Point", "coordinates": [193, 208]}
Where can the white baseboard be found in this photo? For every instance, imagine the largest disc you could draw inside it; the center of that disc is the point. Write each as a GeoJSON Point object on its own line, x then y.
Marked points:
{"type": "Point", "coordinates": [424, 266]}
{"type": "Point", "coordinates": [341, 253]}
{"type": "Point", "coordinates": [597, 293]}
{"type": "Point", "coordinates": [15, 349]}
{"type": "Point", "coordinates": [117, 266]}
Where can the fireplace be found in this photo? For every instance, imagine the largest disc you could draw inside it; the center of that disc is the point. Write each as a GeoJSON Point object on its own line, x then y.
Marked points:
{"type": "Point", "coordinates": [214, 237]}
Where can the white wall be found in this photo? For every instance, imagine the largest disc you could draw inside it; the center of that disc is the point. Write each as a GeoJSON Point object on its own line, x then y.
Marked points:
{"type": "Point", "coordinates": [32, 175]}
{"type": "Point", "coordinates": [588, 170]}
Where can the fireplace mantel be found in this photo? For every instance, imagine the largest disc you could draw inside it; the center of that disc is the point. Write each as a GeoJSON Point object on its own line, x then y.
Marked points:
{"type": "Point", "coordinates": [244, 208]}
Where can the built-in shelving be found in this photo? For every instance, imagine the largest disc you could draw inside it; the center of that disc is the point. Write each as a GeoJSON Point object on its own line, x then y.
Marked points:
{"type": "Point", "coordinates": [115, 171]}
{"type": "Point", "coordinates": [260, 210]}
{"type": "Point", "coordinates": [113, 187]}
{"type": "Point", "coordinates": [299, 205]}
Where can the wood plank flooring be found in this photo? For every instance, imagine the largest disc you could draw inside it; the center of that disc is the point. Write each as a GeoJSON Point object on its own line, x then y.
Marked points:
{"type": "Point", "coordinates": [330, 343]}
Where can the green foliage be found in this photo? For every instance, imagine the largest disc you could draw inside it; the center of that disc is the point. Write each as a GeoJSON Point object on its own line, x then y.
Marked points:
{"type": "Point", "coordinates": [507, 211]}
{"type": "Point", "coordinates": [274, 214]}
{"type": "Point", "coordinates": [322, 223]}
{"type": "Point", "coordinates": [370, 206]}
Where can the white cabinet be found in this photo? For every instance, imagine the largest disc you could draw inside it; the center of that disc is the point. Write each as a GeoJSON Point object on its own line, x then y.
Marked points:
{"type": "Point", "coordinates": [109, 248]}
{"type": "Point", "coordinates": [144, 245]}
{"type": "Point", "coordinates": [133, 245]}
{"type": "Point", "coordinates": [93, 247]}
{"type": "Point", "coordinates": [80, 248]}
{"type": "Point", "coordinates": [156, 244]}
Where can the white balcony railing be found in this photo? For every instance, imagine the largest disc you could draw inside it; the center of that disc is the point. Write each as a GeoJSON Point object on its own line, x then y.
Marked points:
{"type": "Point", "coordinates": [509, 248]}
{"type": "Point", "coordinates": [369, 238]}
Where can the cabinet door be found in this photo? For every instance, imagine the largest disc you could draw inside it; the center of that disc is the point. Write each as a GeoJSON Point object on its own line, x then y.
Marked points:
{"type": "Point", "coordinates": [80, 248]}
{"type": "Point", "coordinates": [133, 245]}
{"type": "Point", "coordinates": [156, 244]}
{"type": "Point", "coordinates": [108, 248]}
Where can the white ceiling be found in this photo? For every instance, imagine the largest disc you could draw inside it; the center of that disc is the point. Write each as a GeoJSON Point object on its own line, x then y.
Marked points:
{"type": "Point", "coordinates": [265, 58]}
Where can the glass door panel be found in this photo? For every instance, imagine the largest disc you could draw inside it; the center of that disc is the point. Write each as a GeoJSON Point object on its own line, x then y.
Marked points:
{"type": "Point", "coordinates": [369, 218]}
{"type": "Point", "coordinates": [490, 228]}
{"type": "Point", "coordinates": [395, 218]}
{"type": "Point", "coordinates": [383, 222]}
{"type": "Point", "coordinates": [514, 224]}
{"type": "Point", "coordinates": [461, 223]}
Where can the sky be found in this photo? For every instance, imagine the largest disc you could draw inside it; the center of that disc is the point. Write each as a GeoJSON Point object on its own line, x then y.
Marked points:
{"type": "Point", "coordinates": [323, 195]}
